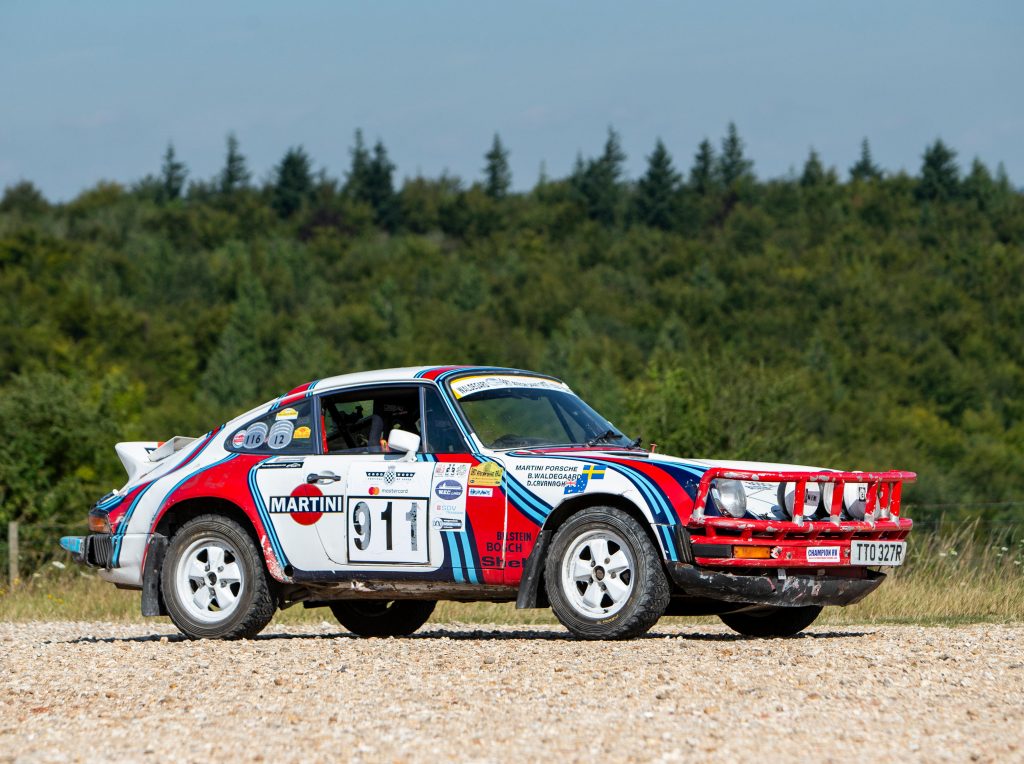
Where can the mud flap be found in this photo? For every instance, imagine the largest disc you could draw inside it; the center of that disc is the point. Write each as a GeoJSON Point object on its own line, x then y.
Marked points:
{"type": "Point", "coordinates": [530, 595]}
{"type": "Point", "coordinates": [152, 602]}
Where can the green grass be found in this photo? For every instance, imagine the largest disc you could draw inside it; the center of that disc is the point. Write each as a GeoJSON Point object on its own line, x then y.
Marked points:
{"type": "Point", "coordinates": [950, 579]}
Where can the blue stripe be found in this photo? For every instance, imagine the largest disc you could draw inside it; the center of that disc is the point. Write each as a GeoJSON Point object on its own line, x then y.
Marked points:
{"type": "Point", "coordinates": [470, 562]}
{"type": "Point", "coordinates": [261, 509]}
{"type": "Point", "coordinates": [453, 548]}
{"type": "Point", "coordinates": [184, 480]}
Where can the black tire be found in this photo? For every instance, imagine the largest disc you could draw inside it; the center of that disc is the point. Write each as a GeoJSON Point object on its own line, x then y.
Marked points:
{"type": "Point", "coordinates": [381, 618]}
{"type": "Point", "coordinates": [253, 606]}
{"type": "Point", "coordinates": [646, 594]}
{"type": "Point", "coordinates": [772, 622]}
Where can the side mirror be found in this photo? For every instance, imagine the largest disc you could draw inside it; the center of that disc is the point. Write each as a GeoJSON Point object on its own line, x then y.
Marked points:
{"type": "Point", "coordinates": [403, 440]}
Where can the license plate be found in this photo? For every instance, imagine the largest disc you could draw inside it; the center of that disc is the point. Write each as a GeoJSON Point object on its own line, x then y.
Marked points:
{"type": "Point", "coordinates": [878, 552]}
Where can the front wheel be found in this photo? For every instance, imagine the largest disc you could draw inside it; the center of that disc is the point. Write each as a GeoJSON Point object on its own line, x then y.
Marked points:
{"type": "Point", "coordinates": [379, 618]}
{"type": "Point", "coordinates": [214, 582]}
{"type": "Point", "coordinates": [604, 578]}
{"type": "Point", "coordinates": [772, 621]}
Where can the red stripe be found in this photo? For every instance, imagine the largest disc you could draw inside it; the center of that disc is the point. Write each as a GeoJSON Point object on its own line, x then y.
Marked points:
{"type": "Point", "coordinates": [678, 498]}
{"type": "Point", "coordinates": [437, 371]}
{"type": "Point", "coordinates": [299, 389]}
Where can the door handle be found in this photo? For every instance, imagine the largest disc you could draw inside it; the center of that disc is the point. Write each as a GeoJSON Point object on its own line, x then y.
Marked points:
{"type": "Point", "coordinates": [322, 477]}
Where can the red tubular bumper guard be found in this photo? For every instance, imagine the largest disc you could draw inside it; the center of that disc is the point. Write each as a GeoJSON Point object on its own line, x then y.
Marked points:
{"type": "Point", "coordinates": [882, 518]}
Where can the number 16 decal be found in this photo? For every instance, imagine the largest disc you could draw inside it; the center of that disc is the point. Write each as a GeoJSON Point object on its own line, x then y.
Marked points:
{"type": "Point", "coordinates": [387, 530]}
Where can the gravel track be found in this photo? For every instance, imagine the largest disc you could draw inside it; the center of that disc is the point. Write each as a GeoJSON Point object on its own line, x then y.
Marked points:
{"type": "Point", "coordinates": [137, 692]}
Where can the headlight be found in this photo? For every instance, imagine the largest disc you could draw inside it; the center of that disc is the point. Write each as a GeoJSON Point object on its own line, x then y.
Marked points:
{"type": "Point", "coordinates": [812, 498]}
{"type": "Point", "coordinates": [730, 498]}
{"type": "Point", "coordinates": [855, 499]}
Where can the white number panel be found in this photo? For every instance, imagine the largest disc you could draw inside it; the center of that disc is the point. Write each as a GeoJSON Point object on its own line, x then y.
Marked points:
{"type": "Point", "coordinates": [387, 530]}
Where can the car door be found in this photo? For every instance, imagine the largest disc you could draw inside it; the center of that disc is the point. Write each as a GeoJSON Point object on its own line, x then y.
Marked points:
{"type": "Point", "coordinates": [386, 526]}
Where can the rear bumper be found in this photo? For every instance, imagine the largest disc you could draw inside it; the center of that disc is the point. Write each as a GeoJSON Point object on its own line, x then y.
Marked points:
{"type": "Point", "coordinates": [792, 590]}
{"type": "Point", "coordinates": [96, 550]}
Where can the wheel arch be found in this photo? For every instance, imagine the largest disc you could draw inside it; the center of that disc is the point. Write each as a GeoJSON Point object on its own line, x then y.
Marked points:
{"type": "Point", "coordinates": [179, 513]}
{"type": "Point", "coordinates": [531, 586]}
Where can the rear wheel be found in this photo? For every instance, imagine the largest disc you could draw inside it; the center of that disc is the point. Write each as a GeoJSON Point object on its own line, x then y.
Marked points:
{"type": "Point", "coordinates": [773, 621]}
{"type": "Point", "coordinates": [604, 577]}
{"type": "Point", "coordinates": [214, 582]}
{"type": "Point", "coordinates": [380, 618]}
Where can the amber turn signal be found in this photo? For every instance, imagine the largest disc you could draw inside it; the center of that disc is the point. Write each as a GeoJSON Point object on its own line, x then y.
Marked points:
{"type": "Point", "coordinates": [99, 524]}
{"type": "Point", "coordinates": [752, 552]}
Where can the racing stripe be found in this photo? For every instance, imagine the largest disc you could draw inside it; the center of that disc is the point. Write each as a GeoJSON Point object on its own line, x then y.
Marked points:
{"type": "Point", "coordinates": [180, 483]}
{"type": "Point", "coordinates": [261, 509]}
{"type": "Point", "coordinates": [453, 547]}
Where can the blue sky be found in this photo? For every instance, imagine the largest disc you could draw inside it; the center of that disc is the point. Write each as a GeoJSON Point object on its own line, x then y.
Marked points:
{"type": "Point", "coordinates": [92, 91]}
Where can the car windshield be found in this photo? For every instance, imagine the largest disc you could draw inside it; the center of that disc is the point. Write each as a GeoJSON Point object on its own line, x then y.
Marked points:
{"type": "Point", "coordinates": [532, 418]}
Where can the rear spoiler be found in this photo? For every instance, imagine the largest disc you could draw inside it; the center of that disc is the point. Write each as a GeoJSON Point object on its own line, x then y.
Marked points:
{"type": "Point", "coordinates": [139, 457]}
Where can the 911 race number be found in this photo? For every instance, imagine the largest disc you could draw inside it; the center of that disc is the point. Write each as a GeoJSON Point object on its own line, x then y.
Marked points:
{"type": "Point", "coordinates": [878, 552]}
{"type": "Point", "coordinates": [387, 530]}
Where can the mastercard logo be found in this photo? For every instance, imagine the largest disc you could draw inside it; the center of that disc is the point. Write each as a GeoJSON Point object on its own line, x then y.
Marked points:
{"type": "Point", "coordinates": [374, 490]}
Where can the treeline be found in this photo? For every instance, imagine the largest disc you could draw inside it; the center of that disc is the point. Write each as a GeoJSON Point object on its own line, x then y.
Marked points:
{"type": "Point", "coordinates": [859, 319]}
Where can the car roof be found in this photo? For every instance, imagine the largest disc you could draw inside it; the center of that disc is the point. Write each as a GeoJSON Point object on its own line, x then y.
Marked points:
{"type": "Point", "coordinates": [400, 374]}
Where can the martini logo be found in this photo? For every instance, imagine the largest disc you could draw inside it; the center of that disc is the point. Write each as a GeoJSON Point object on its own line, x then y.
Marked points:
{"type": "Point", "coordinates": [306, 504]}
{"type": "Point", "coordinates": [448, 490]}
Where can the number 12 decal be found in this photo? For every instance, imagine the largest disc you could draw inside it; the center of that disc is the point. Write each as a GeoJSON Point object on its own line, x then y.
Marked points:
{"type": "Point", "coordinates": [387, 530]}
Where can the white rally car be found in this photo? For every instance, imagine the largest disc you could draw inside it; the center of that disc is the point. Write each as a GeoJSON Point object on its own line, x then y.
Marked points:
{"type": "Point", "coordinates": [378, 494]}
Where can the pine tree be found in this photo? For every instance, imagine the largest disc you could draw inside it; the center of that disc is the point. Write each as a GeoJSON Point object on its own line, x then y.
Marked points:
{"type": "Point", "coordinates": [498, 176]}
{"type": "Point", "coordinates": [702, 174]}
{"type": "Point", "coordinates": [235, 174]}
{"type": "Point", "coordinates": [599, 180]}
{"type": "Point", "coordinates": [172, 176]}
{"type": "Point", "coordinates": [814, 171]}
{"type": "Point", "coordinates": [656, 190]}
{"type": "Point", "coordinates": [380, 189]}
{"type": "Point", "coordinates": [293, 184]}
{"type": "Point", "coordinates": [979, 185]}
{"type": "Point", "coordinates": [358, 178]}
{"type": "Point", "coordinates": [733, 166]}
{"type": "Point", "coordinates": [940, 175]}
{"type": "Point", "coordinates": [865, 167]}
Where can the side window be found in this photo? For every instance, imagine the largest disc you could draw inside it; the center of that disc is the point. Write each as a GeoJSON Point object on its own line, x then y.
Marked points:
{"type": "Point", "coordinates": [443, 435]}
{"type": "Point", "coordinates": [359, 422]}
{"type": "Point", "coordinates": [287, 430]}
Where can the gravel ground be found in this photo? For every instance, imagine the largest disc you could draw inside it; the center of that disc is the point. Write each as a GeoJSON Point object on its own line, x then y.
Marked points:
{"type": "Point", "coordinates": [137, 692]}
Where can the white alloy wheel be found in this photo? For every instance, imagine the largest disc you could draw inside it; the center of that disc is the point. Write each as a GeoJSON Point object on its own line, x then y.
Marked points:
{"type": "Point", "coordinates": [598, 573]}
{"type": "Point", "coordinates": [209, 581]}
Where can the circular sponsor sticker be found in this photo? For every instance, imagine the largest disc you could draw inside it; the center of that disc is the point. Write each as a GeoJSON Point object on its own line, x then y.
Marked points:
{"type": "Point", "coordinates": [280, 434]}
{"type": "Point", "coordinates": [239, 439]}
{"type": "Point", "coordinates": [255, 435]}
{"type": "Point", "coordinates": [449, 490]}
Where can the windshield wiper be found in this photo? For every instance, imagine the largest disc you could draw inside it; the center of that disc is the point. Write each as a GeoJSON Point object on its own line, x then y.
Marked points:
{"type": "Point", "coordinates": [607, 435]}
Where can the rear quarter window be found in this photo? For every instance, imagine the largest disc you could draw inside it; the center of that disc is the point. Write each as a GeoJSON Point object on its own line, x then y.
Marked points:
{"type": "Point", "coordinates": [285, 430]}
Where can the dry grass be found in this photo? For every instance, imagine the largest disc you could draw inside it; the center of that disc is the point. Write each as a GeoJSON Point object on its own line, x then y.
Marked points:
{"type": "Point", "coordinates": [949, 579]}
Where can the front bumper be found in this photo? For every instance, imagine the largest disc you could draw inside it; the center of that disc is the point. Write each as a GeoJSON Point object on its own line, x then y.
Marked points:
{"type": "Point", "coordinates": [96, 550]}
{"type": "Point", "coordinates": [783, 589]}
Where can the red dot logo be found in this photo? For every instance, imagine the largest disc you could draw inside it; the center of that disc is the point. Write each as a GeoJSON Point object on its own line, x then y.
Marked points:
{"type": "Point", "coordinates": [306, 518]}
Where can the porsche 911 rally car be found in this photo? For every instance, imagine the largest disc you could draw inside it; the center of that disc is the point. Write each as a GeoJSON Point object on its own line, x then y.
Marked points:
{"type": "Point", "coordinates": [378, 494]}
